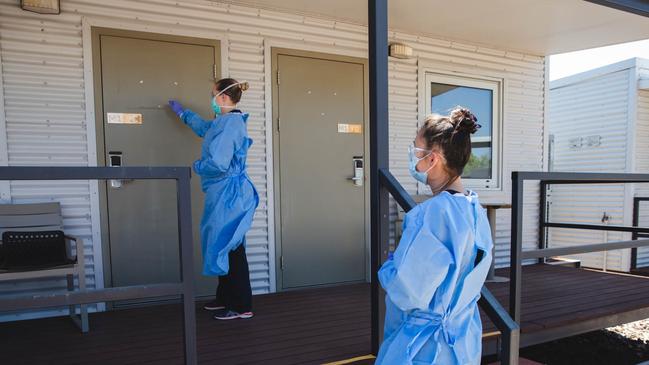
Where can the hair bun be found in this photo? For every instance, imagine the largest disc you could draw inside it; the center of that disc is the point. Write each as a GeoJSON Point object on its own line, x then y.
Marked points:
{"type": "Point", "coordinates": [464, 120]}
{"type": "Point", "coordinates": [244, 86]}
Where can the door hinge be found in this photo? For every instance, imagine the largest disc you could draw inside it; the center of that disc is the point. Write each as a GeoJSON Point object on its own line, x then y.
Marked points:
{"type": "Point", "coordinates": [216, 71]}
{"type": "Point", "coordinates": [281, 262]}
{"type": "Point", "coordinates": [277, 77]}
{"type": "Point", "coordinates": [279, 122]}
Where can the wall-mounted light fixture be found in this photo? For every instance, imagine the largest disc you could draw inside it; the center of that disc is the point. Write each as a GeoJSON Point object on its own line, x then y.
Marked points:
{"type": "Point", "coordinates": [400, 50]}
{"type": "Point", "coordinates": [41, 6]}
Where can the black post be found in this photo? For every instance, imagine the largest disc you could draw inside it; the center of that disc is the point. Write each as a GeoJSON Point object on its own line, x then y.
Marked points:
{"type": "Point", "coordinates": [378, 59]}
{"type": "Point", "coordinates": [515, 265]}
{"type": "Point", "coordinates": [543, 218]}
{"type": "Point", "coordinates": [186, 265]}
{"type": "Point", "coordinates": [510, 344]}
{"type": "Point", "coordinates": [634, 236]}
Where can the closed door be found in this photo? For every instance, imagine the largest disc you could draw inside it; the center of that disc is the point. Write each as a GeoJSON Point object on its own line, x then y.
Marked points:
{"type": "Point", "coordinates": [321, 115]}
{"type": "Point", "coordinates": [138, 76]}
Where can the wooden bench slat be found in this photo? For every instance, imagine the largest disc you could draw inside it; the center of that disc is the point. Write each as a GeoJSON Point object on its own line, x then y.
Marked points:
{"type": "Point", "coordinates": [29, 209]}
{"type": "Point", "coordinates": [19, 222]}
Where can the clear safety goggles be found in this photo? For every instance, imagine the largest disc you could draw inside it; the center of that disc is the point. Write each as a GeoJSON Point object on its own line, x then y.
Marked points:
{"type": "Point", "coordinates": [418, 153]}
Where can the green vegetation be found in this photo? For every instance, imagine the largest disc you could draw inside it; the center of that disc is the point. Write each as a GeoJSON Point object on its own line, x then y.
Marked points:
{"type": "Point", "coordinates": [479, 163]}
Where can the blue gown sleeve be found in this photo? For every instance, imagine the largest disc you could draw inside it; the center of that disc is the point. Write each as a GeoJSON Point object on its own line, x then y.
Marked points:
{"type": "Point", "coordinates": [222, 149]}
{"type": "Point", "coordinates": [419, 266]}
{"type": "Point", "coordinates": [195, 122]}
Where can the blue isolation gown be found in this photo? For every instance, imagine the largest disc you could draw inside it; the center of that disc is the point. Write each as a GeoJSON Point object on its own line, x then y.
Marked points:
{"type": "Point", "coordinates": [433, 284]}
{"type": "Point", "coordinates": [230, 196]}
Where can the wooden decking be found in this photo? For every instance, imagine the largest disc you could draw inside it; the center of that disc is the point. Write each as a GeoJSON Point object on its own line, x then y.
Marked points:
{"type": "Point", "coordinates": [311, 326]}
{"type": "Point", "coordinates": [559, 301]}
{"type": "Point", "coordinates": [302, 327]}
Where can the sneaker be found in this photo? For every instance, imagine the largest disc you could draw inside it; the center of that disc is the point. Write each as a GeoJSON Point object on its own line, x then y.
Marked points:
{"type": "Point", "coordinates": [213, 306]}
{"type": "Point", "coordinates": [225, 315]}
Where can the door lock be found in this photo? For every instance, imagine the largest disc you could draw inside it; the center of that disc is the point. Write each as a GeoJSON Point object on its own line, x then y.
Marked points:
{"type": "Point", "coordinates": [359, 175]}
{"type": "Point", "coordinates": [115, 160]}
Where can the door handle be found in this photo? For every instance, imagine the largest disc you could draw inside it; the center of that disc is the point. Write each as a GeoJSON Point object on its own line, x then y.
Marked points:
{"type": "Point", "coordinates": [115, 160]}
{"type": "Point", "coordinates": [359, 175]}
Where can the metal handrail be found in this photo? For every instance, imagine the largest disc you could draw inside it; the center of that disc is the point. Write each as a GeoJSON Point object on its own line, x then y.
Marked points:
{"type": "Point", "coordinates": [509, 329]}
{"type": "Point", "coordinates": [560, 178]}
{"type": "Point", "coordinates": [396, 190]}
{"type": "Point", "coordinates": [575, 250]}
{"type": "Point", "coordinates": [568, 178]}
{"type": "Point", "coordinates": [596, 227]}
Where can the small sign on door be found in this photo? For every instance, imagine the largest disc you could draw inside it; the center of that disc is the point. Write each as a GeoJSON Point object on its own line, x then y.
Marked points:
{"type": "Point", "coordinates": [350, 128]}
{"type": "Point", "coordinates": [124, 118]}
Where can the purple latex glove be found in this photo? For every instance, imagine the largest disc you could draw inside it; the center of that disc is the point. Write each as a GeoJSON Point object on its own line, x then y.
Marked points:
{"type": "Point", "coordinates": [176, 107]}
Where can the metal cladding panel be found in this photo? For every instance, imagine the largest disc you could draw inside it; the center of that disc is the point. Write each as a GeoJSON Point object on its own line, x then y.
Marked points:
{"type": "Point", "coordinates": [589, 122]}
{"type": "Point", "coordinates": [403, 86]}
{"type": "Point", "coordinates": [42, 60]}
{"type": "Point", "coordinates": [642, 165]}
{"type": "Point", "coordinates": [245, 62]}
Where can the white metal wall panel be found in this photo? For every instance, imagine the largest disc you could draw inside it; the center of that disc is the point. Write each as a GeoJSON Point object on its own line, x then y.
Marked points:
{"type": "Point", "coordinates": [44, 88]}
{"type": "Point", "coordinates": [403, 86]}
{"type": "Point", "coordinates": [593, 107]}
{"type": "Point", "coordinates": [642, 165]}
{"type": "Point", "coordinates": [246, 57]}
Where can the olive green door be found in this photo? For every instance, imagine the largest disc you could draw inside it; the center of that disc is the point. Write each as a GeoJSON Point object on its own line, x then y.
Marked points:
{"type": "Point", "coordinates": [138, 76]}
{"type": "Point", "coordinates": [320, 144]}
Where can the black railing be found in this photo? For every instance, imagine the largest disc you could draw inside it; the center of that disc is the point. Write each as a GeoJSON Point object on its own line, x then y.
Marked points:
{"type": "Point", "coordinates": [636, 235]}
{"type": "Point", "coordinates": [509, 329]}
{"type": "Point", "coordinates": [377, 19]}
{"type": "Point", "coordinates": [560, 178]}
{"type": "Point", "coordinates": [184, 213]}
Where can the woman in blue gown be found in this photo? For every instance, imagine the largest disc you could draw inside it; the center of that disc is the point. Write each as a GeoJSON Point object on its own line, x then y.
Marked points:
{"type": "Point", "coordinates": [230, 197]}
{"type": "Point", "coordinates": [433, 279]}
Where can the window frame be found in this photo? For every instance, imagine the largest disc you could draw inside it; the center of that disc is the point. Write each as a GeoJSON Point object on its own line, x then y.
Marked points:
{"type": "Point", "coordinates": [496, 87]}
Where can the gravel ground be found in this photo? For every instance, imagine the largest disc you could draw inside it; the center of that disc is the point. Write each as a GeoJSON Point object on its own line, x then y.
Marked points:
{"type": "Point", "coordinates": [622, 345]}
{"type": "Point", "coordinates": [636, 331]}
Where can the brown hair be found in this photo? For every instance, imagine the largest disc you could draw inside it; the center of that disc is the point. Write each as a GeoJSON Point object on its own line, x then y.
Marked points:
{"type": "Point", "coordinates": [234, 92]}
{"type": "Point", "coordinates": [451, 136]}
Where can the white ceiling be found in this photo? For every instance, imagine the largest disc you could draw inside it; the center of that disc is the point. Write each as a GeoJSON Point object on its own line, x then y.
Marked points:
{"type": "Point", "coordinates": [540, 27]}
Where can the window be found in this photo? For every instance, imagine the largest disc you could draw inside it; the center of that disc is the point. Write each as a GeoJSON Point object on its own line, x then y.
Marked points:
{"type": "Point", "coordinates": [482, 97]}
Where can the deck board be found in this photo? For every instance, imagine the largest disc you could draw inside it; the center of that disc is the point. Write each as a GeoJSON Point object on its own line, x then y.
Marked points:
{"type": "Point", "coordinates": [299, 327]}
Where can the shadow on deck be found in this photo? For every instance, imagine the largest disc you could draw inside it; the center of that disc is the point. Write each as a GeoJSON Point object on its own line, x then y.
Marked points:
{"type": "Point", "coordinates": [313, 326]}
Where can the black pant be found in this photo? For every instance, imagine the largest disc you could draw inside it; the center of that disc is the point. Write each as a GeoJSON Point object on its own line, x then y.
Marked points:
{"type": "Point", "coordinates": [234, 290]}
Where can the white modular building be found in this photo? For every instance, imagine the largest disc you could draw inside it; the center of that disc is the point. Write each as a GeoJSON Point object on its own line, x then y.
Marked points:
{"type": "Point", "coordinates": [72, 83]}
{"type": "Point", "coordinates": [599, 122]}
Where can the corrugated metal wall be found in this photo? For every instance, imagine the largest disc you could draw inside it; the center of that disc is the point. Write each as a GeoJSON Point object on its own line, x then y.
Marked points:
{"type": "Point", "coordinates": [44, 89]}
{"type": "Point", "coordinates": [404, 108]}
{"type": "Point", "coordinates": [580, 114]}
{"type": "Point", "coordinates": [642, 165]}
{"type": "Point", "coordinates": [43, 82]}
